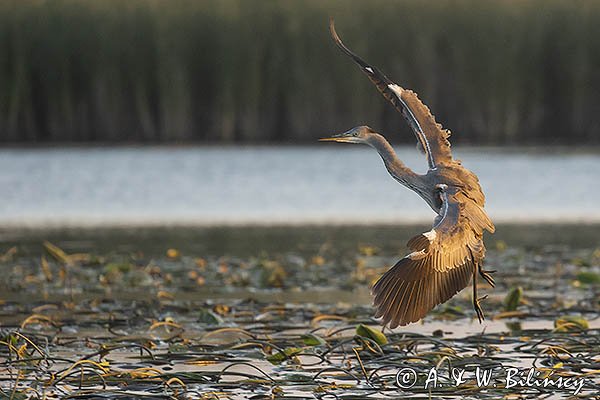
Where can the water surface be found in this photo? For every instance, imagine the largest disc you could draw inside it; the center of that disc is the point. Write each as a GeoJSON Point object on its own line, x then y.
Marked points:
{"type": "Point", "coordinates": [236, 185]}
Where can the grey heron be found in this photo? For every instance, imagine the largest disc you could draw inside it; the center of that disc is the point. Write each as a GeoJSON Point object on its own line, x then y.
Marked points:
{"type": "Point", "coordinates": [444, 259]}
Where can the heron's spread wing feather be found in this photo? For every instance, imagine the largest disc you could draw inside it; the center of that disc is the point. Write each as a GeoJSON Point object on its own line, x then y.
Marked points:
{"type": "Point", "coordinates": [440, 265]}
{"type": "Point", "coordinates": [432, 138]}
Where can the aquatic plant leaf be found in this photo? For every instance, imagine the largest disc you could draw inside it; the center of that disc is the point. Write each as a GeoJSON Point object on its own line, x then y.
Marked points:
{"type": "Point", "coordinates": [115, 267]}
{"type": "Point", "coordinates": [46, 269]}
{"type": "Point", "coordinates": [326, 317]}
{"type": "Point", "coordinates": [280, 356]}
{"type": "Point", "coordinates": [368, 250]}
{"type": "Point", "coordinates": [272, 275]}
{"type": "Point", "coordinates": [514, 326]}
{"type": "Point", "coordinates": [173, 254]}
{"type": "Point", "coordinates": [164, 295]}
{"type": "Point", "coordinates": [14, 396]}
{"type": "Point", "coordinates": [513, 298]}
{"type": "Point", "coordinates": [588, 278]}
{"type": "Point", "coordinates": [318, 260]}
{"type": "Point", "coordinates": [57, 253]}
{"type": "Point", "coordinates": [178, 348]}
{"type": "Point", "coordinates": [82, 258]}
{"type": "Point", "coordinates": [313, 340]}
{"type": "Point", "coordinates": [580, 262]}
{"type": "Point", "coordinates": [373, 334]}
{"type": "Point", "coordinates": [37, 319]}
{"type": "Point", "coordinates": [571, 323]}
{"type": "Point", "coordinates": [206, 316]}
{"type": "Point", "coordinates": [9, 254]}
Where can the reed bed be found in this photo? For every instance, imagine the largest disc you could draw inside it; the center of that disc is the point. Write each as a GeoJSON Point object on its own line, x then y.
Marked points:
{"type": "Point", "coordinates": [495, 72]}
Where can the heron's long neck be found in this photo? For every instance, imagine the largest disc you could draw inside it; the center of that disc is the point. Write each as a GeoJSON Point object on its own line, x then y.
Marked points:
{"type": "Point", "coordinates": [395, 167]}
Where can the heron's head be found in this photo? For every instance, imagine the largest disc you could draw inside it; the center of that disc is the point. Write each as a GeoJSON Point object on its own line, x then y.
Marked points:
{"type": "Point", "coordinates": [360, 134]}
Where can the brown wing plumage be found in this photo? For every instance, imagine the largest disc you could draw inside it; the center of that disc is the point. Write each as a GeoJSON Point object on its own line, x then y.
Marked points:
{"type": "Point", "coordinates": [432, 138]}
{"type": "Point", "coordinates": [441, 264]}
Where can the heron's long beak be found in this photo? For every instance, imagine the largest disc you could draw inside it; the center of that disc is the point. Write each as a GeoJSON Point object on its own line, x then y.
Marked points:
{"type": "Point", "coordinates": [341, 139]}
{"type": "Point", "coordinates": [346, 137]}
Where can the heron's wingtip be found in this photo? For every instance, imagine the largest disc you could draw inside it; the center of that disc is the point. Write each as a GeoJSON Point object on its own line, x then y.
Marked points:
{"type": "Point", "coordinates": [333, 32]}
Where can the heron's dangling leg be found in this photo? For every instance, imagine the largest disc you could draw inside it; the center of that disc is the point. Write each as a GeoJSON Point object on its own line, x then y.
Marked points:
{"type": "Point", "coordinates": [477, 300]}
{"type": "Point", "coordinates": [487, 275]}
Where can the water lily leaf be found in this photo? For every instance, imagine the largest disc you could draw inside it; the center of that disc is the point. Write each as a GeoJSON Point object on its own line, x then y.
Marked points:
{"type": "Point", "coordinates": [588, 278]}
{"type": "Point", "coordinates": [513, 298]}
{"type": "Point", "coordinates": [571, 323]}
{"type": "Point", "coordinates": [273, 275]}
{"type": "Point", "coordinates": [9, 254]}
{"type": "Point", "coordinates": [280, 356]}
{"type": "Point", "coordinates": [114, 267]}
{"type": "Point", "coordinates": [173, 254]}
{"type": "Point", "coordinates": [376, 335]}
{"type": "Point", "coordinates": [177, 348]}
{"type": "Point", "coordinates": [206, 316]}
{"type": "Point", "coordinates": [57, 253]}
{"type": "Point", "coordinates": [84, 258]}
{"type": "Point", "coordinates": [318, 260]}
{"type": "Point", "coordinates": [514, 326]}
{"type": "Point", "coordinates": [368, 250]}
{"type": "Point", "coordinates": [313, 340]}
{"type": "Point", "coordinates": [46, 269]}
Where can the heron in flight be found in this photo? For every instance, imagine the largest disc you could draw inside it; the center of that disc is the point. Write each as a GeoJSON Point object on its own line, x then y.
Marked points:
{"type": "Point", "coordinates": [444, 259]}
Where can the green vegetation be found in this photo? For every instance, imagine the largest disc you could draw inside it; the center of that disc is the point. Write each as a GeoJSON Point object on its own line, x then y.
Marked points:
{"type": "Point", "coordinates": [495, 72]}
{"type": "Point", "coordinates": [183, 323]}
{"type": "Point", "coordinates": [513, 298]}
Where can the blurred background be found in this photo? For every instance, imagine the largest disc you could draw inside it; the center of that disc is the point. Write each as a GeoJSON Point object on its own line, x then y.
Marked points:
{"type": "Point", "coordinates": [232, 71]}
{"type": "Point", "coordinates": [149, 112]}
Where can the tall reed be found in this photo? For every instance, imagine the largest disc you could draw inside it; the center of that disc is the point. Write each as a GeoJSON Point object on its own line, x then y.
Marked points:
{"type": "Point", "coordinates": [495, 72]}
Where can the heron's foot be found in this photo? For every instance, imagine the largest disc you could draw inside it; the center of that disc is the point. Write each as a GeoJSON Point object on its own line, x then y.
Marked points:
{"type": "Point", "coordinates": [478, 309]}
{"type": "Point", "coordinates": [487, 275]}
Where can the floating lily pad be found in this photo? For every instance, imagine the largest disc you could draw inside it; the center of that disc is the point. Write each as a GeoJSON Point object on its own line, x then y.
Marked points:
{"type": "Point", "coordinates": [206, 316]}
{"type": "Point", "coordinates": [280, 356]}
{"type": "Point", "coordinates": [376, 335]}
{"type": "Point", "coordinates": [570, 323]}
{"type": "Point", "coordinates": [313, 340]}
{"type": "Point", "coordinates": [588, 278]}
{"type": "Point", "coordinates": [513, 298]}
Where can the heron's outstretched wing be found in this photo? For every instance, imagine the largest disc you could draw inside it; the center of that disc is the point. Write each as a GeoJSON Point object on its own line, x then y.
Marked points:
{"type": "Point", "coordinates": [440, 265]}
{"type": "Point", "coordinates": [432, 138]}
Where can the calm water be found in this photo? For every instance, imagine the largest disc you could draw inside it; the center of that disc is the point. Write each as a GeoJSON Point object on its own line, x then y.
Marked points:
{"type": "Point", "coordinates": [324, 184]}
